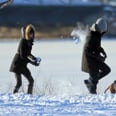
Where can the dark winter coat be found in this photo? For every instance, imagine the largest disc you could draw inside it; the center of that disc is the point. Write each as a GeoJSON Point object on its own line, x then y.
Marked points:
{"type": "Point", "coordinates": [20, 59]}
{"type": "Point", "coordinates": [92, 50]}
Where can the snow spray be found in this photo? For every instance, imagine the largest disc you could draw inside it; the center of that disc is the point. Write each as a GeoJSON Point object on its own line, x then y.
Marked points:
{"type": "Point", "coordinates": [79, 33]}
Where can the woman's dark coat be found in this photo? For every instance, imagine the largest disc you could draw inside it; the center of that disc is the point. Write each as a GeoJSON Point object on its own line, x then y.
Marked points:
{"type": "Point", "coordinates": [91, 51]}
{"type": "Point", "coordinates": [20, 59]}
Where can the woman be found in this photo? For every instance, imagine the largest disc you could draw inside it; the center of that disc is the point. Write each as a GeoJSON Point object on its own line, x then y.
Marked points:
{"type": "Point", "coordinates": [93, 60]}
{"type": "Point", "coordinates": [23, 57]}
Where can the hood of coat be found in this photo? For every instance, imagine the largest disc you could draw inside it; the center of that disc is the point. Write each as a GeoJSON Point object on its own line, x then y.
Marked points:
{"type": "Point", "coordinates": [100, 25]}
{"type": "Point", "coordinates": [23, 32]}
{"type": "Point", "coordinates": [29, 29]}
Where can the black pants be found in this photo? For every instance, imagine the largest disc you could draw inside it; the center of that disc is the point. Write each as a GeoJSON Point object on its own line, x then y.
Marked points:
{"type": "Point", "coordinates": [98, 70]}
{"type": "Point", "coordinates": [28, 76]}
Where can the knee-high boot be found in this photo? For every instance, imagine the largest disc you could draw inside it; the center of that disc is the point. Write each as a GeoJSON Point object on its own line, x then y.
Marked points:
{"type": "Point", "coordinates": [30, 89]}
{"type": "Point", "coordinates": [16, 90]}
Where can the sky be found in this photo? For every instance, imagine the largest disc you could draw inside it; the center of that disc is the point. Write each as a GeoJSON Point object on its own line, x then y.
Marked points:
{"type": "Point", "coordinates": [51, 2]}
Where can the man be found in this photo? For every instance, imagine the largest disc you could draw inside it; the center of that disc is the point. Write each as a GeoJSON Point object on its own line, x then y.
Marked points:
{"type": "Point", "coordinates": [23, 57]}
{"type": "Point", "coordinates": [93, 60]}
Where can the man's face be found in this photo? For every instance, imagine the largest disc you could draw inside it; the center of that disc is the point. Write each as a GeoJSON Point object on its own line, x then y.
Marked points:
{"type": "Point", "coordinates": [102, 31]}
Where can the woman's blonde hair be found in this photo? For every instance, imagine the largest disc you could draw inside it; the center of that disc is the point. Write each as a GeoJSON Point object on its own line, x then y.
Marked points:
{"type": "Point", "coordinates": [29, 28]}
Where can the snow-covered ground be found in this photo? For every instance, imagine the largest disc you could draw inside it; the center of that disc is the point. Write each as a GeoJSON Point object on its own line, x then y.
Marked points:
{"type": "Point", "coordinates": [59, 88]}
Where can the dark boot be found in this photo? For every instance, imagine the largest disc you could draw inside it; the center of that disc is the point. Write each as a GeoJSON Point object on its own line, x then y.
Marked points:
{"type": "Point", "coordinates": [90, 86]}
{"type": "Point", "coordinates": [30, 89]}
{"type": "Point", "coordinates": [16, 90]}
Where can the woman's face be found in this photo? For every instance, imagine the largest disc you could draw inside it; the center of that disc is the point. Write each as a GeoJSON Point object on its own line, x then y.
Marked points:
{"type": "Point", "coordinates": [31, 35]}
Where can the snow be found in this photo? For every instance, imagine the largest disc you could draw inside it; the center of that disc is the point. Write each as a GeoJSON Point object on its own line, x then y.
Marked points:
{"type": "Point", "coordinates": [59, 89]}
{"type": "Point", "coordinates": [28, 105]}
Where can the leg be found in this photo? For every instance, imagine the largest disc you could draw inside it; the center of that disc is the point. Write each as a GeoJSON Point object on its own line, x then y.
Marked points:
{"type": "Point", "coordinates": [27, 74]}
{"type": "Point", "coordinates": [98, 71]}
{"type": "Point", "coordinates": [104, 70]}
{"type": "Point", "coordinates": [19, 82]}
{"type": "Point", "coordinates": [90, 86]}
{"type": "Point", "coordinates": [92, 82]}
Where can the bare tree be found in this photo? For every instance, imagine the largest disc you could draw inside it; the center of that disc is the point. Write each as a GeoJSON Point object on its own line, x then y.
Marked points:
{"type": "Point", "coordinates": [6, 3]}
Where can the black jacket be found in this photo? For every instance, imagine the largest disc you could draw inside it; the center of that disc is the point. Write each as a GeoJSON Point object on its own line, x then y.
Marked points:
{"type": "Point", "coordinates": [92, 50]}
{"type": "Point", "coordinates": [20, 59]}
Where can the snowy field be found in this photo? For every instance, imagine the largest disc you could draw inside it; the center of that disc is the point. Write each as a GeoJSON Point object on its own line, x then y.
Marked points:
{"type": "Point", "coordinates": [59, 88]}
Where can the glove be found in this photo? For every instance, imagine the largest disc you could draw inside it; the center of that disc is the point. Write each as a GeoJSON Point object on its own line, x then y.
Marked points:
{"type": "Point", "coordinates": [34, 61]}
{"type": "Point", "coordinates": [37, 61]}
{"type": "Point", "coordinates": [103, 53]}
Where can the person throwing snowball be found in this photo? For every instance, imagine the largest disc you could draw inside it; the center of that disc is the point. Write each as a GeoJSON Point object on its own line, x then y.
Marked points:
{"type": "Point", "coordinates": [23, 57]}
